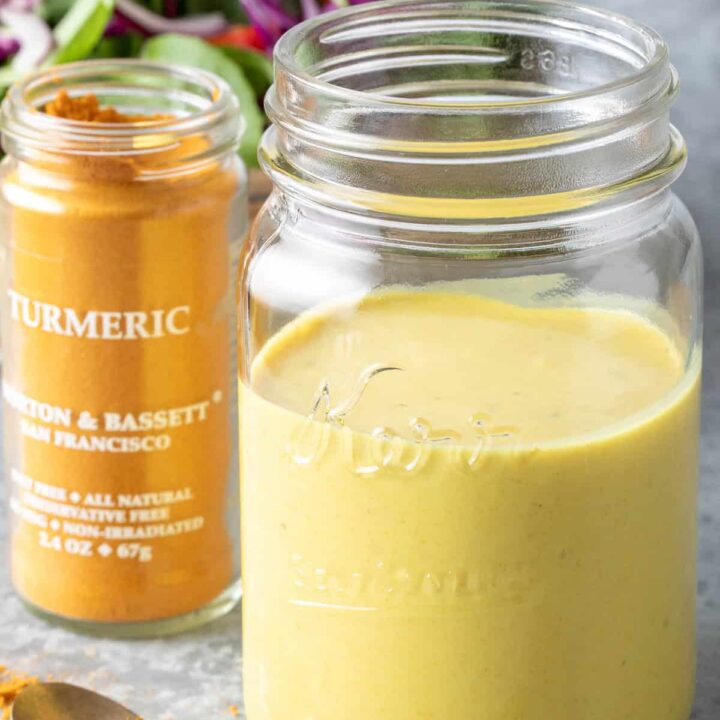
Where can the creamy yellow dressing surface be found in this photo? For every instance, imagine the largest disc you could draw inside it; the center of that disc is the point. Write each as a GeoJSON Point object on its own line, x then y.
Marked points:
{"type": "Point", "coordinates": [460, 509]}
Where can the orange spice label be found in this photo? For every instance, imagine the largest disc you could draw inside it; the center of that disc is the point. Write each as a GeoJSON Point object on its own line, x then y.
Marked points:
{"type": "Point", "coordinates": [117, 339]}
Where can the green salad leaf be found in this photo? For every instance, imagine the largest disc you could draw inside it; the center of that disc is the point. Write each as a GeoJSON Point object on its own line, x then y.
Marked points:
{"type": "Point", "coordinates": [157, 6]}
{"type": "Point", "coordinates": [257, 67]}
{"type": "Point", "coordinates": [80, 30]}
{"type": "Point", "coordinates": [232, 9]}
{"type": "Point", "coordinates": [53, 10]}
{"type": "Point", "coordinates": [192, 51]}
{"type": "Point", "coordinates": [127, 45]}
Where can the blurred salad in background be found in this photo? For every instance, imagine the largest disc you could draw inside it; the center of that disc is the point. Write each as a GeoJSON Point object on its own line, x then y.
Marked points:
{"type": "Point", "coordinates": [232, 38]}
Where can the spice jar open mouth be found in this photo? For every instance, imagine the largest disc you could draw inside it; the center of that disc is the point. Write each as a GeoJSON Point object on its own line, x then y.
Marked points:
{"type": "Point", "coordinates": [194, 103]}
{"type": "Point", "coordinates": [486, 100]}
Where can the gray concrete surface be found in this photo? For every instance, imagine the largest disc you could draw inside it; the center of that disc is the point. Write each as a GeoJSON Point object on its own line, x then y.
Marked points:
{"type": "Point", "coordinates": [197, 676]}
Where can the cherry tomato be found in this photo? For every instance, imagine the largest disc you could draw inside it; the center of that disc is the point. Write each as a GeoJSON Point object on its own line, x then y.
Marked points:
{"type": "Point", "coordinates": [239, 36]}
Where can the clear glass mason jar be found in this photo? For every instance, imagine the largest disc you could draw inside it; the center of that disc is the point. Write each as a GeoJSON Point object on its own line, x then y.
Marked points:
{"type": "Point", "coordinates": [121, 236]}
{"type": "Point", "coordinates": [469, 372]}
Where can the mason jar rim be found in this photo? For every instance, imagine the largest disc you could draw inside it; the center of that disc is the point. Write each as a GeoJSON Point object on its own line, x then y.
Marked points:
{"type": "Point", "coordinates": [204, 103]}
{"type": "Point", "coordinates": [284, 54]}
{"type": "Point", "coordinates": [463, 109]}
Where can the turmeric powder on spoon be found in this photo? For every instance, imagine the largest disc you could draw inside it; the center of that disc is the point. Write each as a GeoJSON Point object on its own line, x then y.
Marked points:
{"type": "Point", "coordinates": [124, 210]}
{"type": "Point", "coordinates": [11, 685]}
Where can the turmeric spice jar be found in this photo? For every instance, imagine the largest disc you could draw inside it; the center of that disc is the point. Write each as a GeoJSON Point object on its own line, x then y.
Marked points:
{"type": "Point", "coordinates": [124, 212]}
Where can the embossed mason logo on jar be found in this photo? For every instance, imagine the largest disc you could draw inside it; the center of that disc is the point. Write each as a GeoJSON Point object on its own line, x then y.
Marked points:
{"type": "Point", "coordinates": [384, 584]}
{"type": "Point", "coordinates": [405, 449]}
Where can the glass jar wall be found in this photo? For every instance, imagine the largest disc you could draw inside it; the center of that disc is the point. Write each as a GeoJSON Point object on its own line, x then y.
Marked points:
{"type": "Point", "coordinates": [123, 213]}
{"type": "Point", "coordinates": [469, 372]}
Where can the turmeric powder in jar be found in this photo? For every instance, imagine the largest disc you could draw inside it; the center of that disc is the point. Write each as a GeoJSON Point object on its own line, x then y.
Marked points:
{"type": "Point", "coordinates": [124, 212]}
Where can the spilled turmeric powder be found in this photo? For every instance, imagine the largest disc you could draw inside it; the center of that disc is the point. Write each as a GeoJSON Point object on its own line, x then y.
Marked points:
{"type": "Point", "coordinates": [11, 685]}
{"type": "Point", "coordinates": [118, 337]}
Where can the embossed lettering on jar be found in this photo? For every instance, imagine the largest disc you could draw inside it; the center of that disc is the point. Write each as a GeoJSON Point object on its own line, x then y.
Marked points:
{"type": "Point", "coordinates": [469, 373]}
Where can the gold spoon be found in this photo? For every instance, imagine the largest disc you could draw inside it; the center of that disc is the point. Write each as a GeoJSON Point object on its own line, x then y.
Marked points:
{"type": "Point", "coordinates": [60, 701]}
